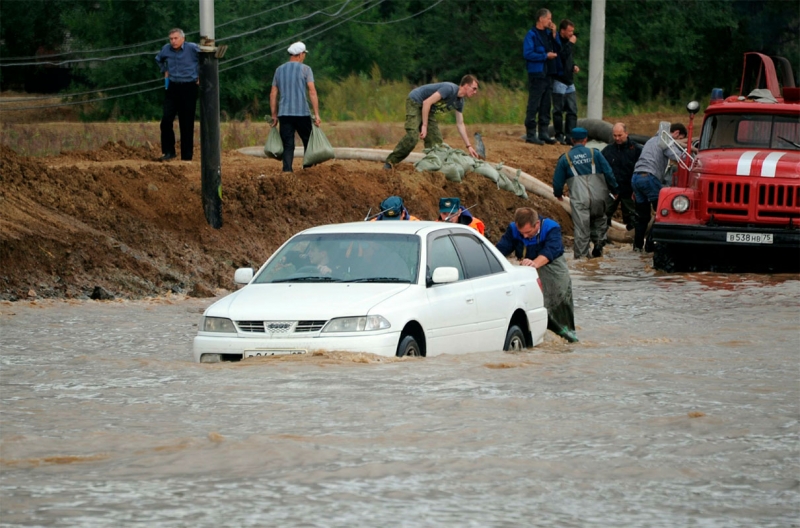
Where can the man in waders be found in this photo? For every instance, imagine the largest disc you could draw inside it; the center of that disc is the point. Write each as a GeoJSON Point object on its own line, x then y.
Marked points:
{"type": "Point", "coordinates": [588, 192]}
{"type": "Point", "coordinates": [536, 242]}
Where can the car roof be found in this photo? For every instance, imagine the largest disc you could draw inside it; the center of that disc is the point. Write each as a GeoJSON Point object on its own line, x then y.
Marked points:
{"type": "Point", "coordinates": [401, 227]}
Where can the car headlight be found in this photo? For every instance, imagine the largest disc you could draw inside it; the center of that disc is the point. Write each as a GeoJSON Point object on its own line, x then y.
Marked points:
{"type": "Point", "coordinates": [357, 324]}
{"type": "Point", "coordinates": [680, 203]}
{"type": "Point", "coordinates": [217, 324]}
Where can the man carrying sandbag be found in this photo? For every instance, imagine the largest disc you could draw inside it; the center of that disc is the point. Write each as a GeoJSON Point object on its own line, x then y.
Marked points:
{"type": "Point", "coordinates": [290, 81]}
{"type": "Point", "coordinates": [422, 105]}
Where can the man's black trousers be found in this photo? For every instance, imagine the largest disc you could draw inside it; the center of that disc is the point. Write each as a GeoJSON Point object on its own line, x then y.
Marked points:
{"type": "Point", "coordinates": [180, 100]}
{"type": "Point", "coordinates": [290, 125]}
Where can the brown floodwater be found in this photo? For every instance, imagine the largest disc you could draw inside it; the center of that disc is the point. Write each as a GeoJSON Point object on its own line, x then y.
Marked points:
{"type": "Point", "coordinates": [679, 407]}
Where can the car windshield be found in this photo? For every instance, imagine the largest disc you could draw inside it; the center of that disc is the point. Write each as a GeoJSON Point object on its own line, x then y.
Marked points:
{"type": "Point", "coordinates": [345, 257]}
{"type": "Point", "coordinates": [752, 131]}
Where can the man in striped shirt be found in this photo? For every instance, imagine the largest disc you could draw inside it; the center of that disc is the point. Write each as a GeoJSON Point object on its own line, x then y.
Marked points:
{"type": "Point", "coordinates": [291, 81]}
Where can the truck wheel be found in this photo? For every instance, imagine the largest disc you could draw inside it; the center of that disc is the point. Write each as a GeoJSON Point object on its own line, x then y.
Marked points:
{"type": "Point", "coordinates": [664, 258]}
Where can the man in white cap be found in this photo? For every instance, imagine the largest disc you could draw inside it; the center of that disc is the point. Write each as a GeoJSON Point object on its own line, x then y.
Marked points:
{"type": "Point", "coordinates": [290, 81]}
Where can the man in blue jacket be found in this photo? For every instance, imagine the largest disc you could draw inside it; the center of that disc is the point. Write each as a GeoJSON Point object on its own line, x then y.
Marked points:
{"type": "Point", "coordinates": [536, 242]}
{"type": "Point", "coordinates": [538, 48]}
{"type": "Point", "coordinates": [591, 182]}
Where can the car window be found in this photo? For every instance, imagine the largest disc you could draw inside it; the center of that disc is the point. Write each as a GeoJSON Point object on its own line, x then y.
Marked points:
{"type": "Point", "coordinates": [345, 257]}
{"type": "Point", "coordinates": [443, 253]}
{"type": "Point", "coordinates": [476, 262]}
{"type": "Point", "coordinates": [494, 264]}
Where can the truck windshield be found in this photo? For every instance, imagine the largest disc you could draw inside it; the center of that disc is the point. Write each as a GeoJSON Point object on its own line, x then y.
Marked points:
{"type": "Point", "coordinates": [757, 131]}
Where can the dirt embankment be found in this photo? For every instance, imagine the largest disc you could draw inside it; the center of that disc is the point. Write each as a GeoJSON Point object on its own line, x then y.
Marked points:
{"type": "Point", "coordinates": [115, 219]}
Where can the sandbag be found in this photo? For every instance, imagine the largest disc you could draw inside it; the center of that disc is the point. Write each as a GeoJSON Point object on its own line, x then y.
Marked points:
{"type": "Point", "coordinates": [460, 157]}
{"type": "Point", "coordinates": [273, 148]}
{"type": "Point", "coordinates": [440, 151]}
{"type": "Point", "coordinates": [505, 183]}
{"type": "Point", "coordinates": [452, 171]}
{"type": "Point", "coordinates": [485, 169]}
{"type": "Point", "coordinates": [319, 149]}
{"type": "Point", "coordinates": [429, 163]}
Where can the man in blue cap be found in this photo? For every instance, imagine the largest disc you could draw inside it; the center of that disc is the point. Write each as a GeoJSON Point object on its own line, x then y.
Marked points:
{"type": "Point", "coordinates": [588, 191]}
{"type": "Point", "coordinates": [392, 208]}
{"type": "Point", "coordinates": [451, 210]}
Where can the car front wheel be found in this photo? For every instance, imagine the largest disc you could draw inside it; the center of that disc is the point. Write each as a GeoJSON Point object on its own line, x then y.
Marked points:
{"type": "Point", "coordinates": [408, 347]}
{"type": "Point", "coordinates": [515, 340]}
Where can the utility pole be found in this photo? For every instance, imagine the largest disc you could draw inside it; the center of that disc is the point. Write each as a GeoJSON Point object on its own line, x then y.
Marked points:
{"type": "Point", "coordinates": [597, 53]}
{"type": "Point", "coordinates": [210, 143]}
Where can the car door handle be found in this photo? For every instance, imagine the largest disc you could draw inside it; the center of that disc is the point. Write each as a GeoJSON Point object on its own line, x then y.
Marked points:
{"type": "Point", "coordinates": [508, 292]}
{"type": "Point", "coordinates": [470, 301]}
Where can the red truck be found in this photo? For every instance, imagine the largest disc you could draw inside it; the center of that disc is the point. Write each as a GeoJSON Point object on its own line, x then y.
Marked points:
{"type": "Point", "coordinates": [738, 194]}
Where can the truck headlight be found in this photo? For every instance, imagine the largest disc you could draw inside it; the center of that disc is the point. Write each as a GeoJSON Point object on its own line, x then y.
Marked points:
{"type": "Point", "coordinates": [680, 203]}
{"type": "Point", "coordinates": [217, 324]}
{"type": "Point", "coordinates": [356, 324]}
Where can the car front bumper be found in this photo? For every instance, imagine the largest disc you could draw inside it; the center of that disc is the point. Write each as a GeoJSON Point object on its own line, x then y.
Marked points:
{"type": "Point", "coordinates": [384, 344]}
{"type": "Point", "coordinates": [693, 234]}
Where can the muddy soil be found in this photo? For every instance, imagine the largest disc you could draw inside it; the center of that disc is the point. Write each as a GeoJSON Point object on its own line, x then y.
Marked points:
{"type": "Point", "coordinates": [116, 222]}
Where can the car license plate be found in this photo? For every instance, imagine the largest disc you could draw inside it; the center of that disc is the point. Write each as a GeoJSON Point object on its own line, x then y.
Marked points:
{"type": "Point", "coordinates": [273, 352]}
{"type": "Point", "coordinates": [749, 238]}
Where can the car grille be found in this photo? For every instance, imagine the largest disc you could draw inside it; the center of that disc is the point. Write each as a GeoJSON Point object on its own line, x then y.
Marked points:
{"type": "Point", "coordinates": [769, 201]}
{"type": "Point", "coordinates": [280, 327]}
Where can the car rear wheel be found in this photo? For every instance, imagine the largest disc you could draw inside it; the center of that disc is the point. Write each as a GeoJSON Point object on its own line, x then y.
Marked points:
{"type": "Point", "coordinates": [408, 347]}
{"type": "Point", "coordinates": [515, 339]}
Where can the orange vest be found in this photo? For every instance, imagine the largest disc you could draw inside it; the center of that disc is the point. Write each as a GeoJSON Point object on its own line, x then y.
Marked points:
{"type": "Point", "coordinates": [477, 225]}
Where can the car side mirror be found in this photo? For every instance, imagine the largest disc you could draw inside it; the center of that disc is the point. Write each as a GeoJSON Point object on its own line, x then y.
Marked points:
{"type": "Point", "coordinates": [243, 275]}
{"type": "Point", "coordinates": [444, 275]}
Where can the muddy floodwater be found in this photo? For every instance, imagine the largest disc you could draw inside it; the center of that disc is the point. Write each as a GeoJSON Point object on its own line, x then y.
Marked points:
{"type": "Point", "coordinates": [679, 407]}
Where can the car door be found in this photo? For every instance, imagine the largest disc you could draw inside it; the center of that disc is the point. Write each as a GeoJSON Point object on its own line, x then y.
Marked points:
{"type": "Point", "coordinates": [492, 288]}
{"type": "Point", "coordinates": [450, 314]}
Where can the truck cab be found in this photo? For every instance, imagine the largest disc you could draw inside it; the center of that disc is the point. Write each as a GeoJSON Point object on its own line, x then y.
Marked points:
{"type": "Point", "coordinates": [738, 192]}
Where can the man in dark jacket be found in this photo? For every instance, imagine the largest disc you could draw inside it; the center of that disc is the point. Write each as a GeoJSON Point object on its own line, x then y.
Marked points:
{"type": "Point", "coordinates": [536, 242]}
{"type": "Point", "coordinates": [622, 155]}
{"type": "Point", "coordinates": [565, 98]}
{"type": "Point", "coordinates": [538, 49]}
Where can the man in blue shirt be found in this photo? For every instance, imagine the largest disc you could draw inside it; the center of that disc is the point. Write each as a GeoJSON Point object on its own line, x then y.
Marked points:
{"type": "Point", "coordinates": [179, 61]}
{"type": "Point", "coordinates": [536, 242]}
{"type": "Point", "coordinates": [422, 105]}
{"type": "Point", "coordinates": [589, 190]}
{"type": "Point", "coordinates": [291, 81]}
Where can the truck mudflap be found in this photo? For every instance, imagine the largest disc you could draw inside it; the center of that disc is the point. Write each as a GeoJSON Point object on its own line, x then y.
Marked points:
{"type": "Point", "coordinates": [732, 236]}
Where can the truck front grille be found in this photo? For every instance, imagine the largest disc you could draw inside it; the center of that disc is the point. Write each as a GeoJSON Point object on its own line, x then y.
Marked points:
{"type": "Point", "coordinates": [777, 200]}
{"type": "Point", "coordinates": [753, 200]}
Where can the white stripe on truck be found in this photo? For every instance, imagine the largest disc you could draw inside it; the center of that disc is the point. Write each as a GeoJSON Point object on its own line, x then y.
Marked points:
{"type": "Point", "coordinates": [745, 161]}
{"type": "Point", "coordinates": [770, 164]}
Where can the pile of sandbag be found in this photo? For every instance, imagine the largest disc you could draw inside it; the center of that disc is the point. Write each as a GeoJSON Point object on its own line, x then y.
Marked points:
{"type": "Point", "coordinates": [455, 163]}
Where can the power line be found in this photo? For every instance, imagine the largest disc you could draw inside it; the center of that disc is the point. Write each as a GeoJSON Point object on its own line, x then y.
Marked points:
{"type": "Point", "coordinates": [80, 93]}
{"type": "Point", "coordinates": [147, 43]}
{"type": "Point", "coordinates": [303, 33]}
{"type": "Point", "coordinates": [402, 19]}
{"type": "Point", "coordinates": [277, 45]}
{"type": "Point", "coordinates": [284, 22]}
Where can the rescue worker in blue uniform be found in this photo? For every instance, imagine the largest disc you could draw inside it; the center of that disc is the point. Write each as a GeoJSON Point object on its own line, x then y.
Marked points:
{"type": "Point", "coordinates": [588, 192]}
{"type": "Point", "coordinates": [451, 210]}
{"type": "Point", "coordinates": [393, 208]}
{"type": "Point", "coordinates": [537, 242]}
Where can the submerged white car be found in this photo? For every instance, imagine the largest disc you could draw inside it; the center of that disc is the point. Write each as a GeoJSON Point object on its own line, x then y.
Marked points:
{"type": "Point", "coordinates": [392, 288]}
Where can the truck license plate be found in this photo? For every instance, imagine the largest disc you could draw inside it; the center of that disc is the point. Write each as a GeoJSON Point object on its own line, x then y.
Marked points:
{"type": "Point", "coordinates": [749, 238]}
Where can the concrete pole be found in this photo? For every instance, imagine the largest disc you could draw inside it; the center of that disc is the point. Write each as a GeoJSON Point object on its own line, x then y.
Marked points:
{"type": "Point", "coordinates": [210, 141]}
{"type": "Point", "coordinates": [597, 44]}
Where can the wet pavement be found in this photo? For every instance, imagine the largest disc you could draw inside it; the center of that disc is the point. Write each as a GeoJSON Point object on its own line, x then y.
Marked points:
{"type": "Point", "coordinates": [679, 407]}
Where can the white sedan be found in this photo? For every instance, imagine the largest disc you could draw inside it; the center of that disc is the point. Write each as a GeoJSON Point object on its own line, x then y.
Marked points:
{"type": "Point", "coordinates": [392, 288]}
